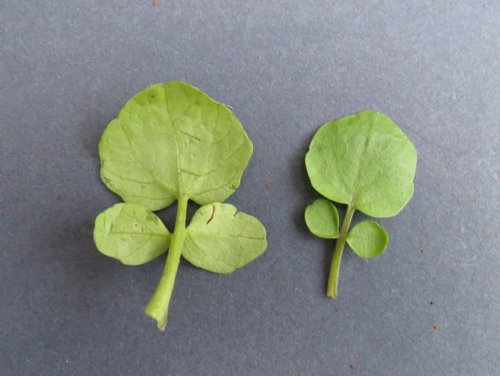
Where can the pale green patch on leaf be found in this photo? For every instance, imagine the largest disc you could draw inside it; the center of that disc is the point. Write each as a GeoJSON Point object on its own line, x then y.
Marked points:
{"type": "Point", "coordinates": [169, 139]}
{"type": "Point", "coordinates": [172, 142]}
{"type": "Point", "coordinates": [366, 162]}
{"type": "Point", "coordinates": [368, 239]}
{"type": "Point", "coordinates": [130, 233]}
{"type": "Point", "coordinates": [322, 219]}
{"type": "Point", "coordinates": [221, 239]}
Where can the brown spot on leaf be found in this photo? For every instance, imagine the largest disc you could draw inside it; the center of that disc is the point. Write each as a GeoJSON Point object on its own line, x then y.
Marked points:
{"type": "Point", "coordinates": [212, 215]}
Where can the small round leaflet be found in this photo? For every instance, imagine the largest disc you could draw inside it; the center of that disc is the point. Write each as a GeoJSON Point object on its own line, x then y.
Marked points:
{"type": "Point", "coordinates": [130, 233]}
{"type": "Point", "coordinates": [368, 239]}
{"type": "Point", "coordinates": [221, 239]}
{"type": "Point", "coordinates": [322, 219]}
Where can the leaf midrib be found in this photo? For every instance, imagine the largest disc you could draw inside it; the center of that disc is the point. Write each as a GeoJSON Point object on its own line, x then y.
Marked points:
{"type": "Point", "coordinates": [134, 233]}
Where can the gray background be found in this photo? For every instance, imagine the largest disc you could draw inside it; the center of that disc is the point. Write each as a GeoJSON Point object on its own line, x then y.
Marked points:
{"type": "Point", "coordinates": [67, 67]}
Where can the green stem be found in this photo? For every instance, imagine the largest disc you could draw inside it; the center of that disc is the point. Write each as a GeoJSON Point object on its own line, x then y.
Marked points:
{"type": "Point", "coordinates": [157, 307]}
{"type": "Point", "coordinates": [333, 278]}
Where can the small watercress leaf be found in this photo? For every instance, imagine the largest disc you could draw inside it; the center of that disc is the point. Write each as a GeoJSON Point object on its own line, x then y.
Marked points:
{"type": "Point", "coordinates": [172, 139]}
{"type": "Point", "coordinates": [221, 239]}
{"type": "Point", "coordinates": [365, 161]}
{"type": "Point", "coordinates": [322, 219]}
{"type": "Point", "coordinates": [130, 233]}
{"type": "Point", "coordinates": [368, 239]}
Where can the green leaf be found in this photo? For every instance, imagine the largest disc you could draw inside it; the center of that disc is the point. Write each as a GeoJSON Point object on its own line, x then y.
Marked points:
{"type": "Point", "coordinates": [173, 139]}
{"type": "Point", "coordinates": [368, 239]}
{"type": "Point", "coordinates": [130, 233]}
{"type": "Point", "coordinates": [322, 219]}
{"type": "Point", "coordinates": [365, 161]}
{"type": "Point", "coordinates": [220, 239]}
{"type": "Point", "coordinates": [172, 142]}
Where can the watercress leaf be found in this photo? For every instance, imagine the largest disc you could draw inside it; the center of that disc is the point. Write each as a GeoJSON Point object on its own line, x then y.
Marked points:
{"type": "Point", "coordinates": [221, 239]}
{"type": "Point", "coordinates": [368, 239]}
{"type": "Point", "coordinates": [173, 139]}
{"type": "Point", "coordinates": [365, 161]}
{"type": "Point", "coordinates": [322, 219]}
{"type": "Point", "coordinates": [130, 233]}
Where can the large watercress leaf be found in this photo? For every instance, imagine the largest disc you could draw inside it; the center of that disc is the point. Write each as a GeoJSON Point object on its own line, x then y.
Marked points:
{"type": "Point", "coordinates": [364, 161]}
{"type": "Point", "coordinates": [221, 239]}
{"type": "Point", "coordinates": [368, 239]}
{"type": "Point", "coordinates": [130, 233]}
{"type": "Point", "coordinates": [173, 139]}
{"type": "Point", "coordinates": [322, 219]}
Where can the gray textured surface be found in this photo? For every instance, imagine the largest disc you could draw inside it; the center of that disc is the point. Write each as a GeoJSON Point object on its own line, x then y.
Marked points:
{"type": "Point", "coordinates": [67, 67]}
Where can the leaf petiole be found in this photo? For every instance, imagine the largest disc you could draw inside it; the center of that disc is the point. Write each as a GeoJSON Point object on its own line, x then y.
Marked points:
{"type": "Point", "coordinates": [157, 307]}
{"type": "Point", "coordinates": [333, 278]}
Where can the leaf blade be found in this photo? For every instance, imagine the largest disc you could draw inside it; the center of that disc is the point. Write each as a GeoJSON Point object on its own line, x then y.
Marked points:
{"type": "Point", "coordinates": [364, 160]}
{"type": "Point", "coordinates": [368, 239]}
{"type": "Point", "coordinates": [220, 239]}
{"type": "Point", "coordinates": [131, 234]}
{"type": "Point", "coordinates": [322, 219]}
{"type": "Point", "coordinates": [172, 139]}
